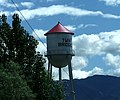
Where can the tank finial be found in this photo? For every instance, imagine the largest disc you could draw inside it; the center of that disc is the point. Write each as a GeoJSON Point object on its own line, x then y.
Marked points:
{"type": "Point", "coordinates": [58, 22]}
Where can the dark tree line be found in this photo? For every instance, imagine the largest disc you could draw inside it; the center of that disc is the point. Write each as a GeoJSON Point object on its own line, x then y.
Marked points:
{"type": "Point", "coordinates": [18, 49]}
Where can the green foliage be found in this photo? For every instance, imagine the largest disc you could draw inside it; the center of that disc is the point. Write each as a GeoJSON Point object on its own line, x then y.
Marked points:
{"type": "Point", "coordinates": [18, 46]}
{"type": "Point", "coordinates": [57, 91]}
{"type": "Point", "coordinates": [12, 86]}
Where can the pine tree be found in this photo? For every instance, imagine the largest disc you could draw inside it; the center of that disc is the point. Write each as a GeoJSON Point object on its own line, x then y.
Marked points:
{"type": "Point", "coordinates": [12, 84]}
{"type": "Point", "coordinates": [17, 45]}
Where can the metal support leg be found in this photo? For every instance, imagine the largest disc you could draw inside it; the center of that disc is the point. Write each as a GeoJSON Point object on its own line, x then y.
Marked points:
{"type": "Point", "coordinates": [71, 80]}
{"type": "Point", "coordinates": [49, 70]}
{"type": "Point", "coordinates": [60, 74]}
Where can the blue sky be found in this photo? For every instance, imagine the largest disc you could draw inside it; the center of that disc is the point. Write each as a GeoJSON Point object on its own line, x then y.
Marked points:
{"type": "Point", "coordinates": [96, 24]}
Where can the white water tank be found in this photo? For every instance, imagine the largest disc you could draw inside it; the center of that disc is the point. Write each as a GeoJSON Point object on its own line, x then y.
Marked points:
{"type": "Point", "coordinates": [59, 45]}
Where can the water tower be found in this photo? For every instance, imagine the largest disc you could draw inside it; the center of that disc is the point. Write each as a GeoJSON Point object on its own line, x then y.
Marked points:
{"type": "Point", "coordinates": [59, 51]}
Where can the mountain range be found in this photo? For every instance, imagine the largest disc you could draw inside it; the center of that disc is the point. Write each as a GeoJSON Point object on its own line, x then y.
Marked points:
{"type": "Point", "coordinates": [98, 87]}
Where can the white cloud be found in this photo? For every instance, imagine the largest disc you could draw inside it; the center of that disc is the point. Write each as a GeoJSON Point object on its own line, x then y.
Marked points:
{"type": "Point", "coordinates": [97, 44]}
{"type": "Point", "coordinates": [111, 16]}
{"type": "Point", "coordinates": [27, 4]}
{"type": "Point", "coordinates": [90, 25]}
{"type": "Point", "coordinates": [5, 3]}
{"type": "Point", "coordinates": [87, 25]}
{"type": "Point", "coordinates": [4, 12]}
{"type": "Point", "coordinates": [96, 71]}
{"type": "Point", "coordinates": [51, 0]}
{"type": "Point", "coordinates": [83, 26]}
{"type": "Point", "coordinates": [41, 48]}
{"type": "Point", "coordinates": [111, 2]}
{"type": "Point", "coordinates": [47, 1]}
{"type": "Point", "coordinates": [111, 36]}
{"type": "Point", "coordinates": [78, 74]}
{"type": "Point", "coordinates": [40, 34]}
{"type": "Point", "coordinates": [85, 45]}
{"type": "Point", "coordinates": [113, 61]}
{"type": "Point", "coordinates": [79, 62]}
{"type": "Point", "coordinates": [56, 9]}
{"type": "Point", "coordinates": [110, 41]}
{"type": "Point", "coordinates": [71, 27]}
{"type": "Point", "coordinates": [104, 43]}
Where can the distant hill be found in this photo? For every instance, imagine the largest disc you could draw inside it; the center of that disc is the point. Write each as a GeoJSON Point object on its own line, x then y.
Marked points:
{"type": "Point", "coordinates": [98, 87]}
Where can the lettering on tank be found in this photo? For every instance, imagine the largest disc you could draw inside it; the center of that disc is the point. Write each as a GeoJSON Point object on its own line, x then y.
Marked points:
{"type": "Point", "coordinates": [65, 42]}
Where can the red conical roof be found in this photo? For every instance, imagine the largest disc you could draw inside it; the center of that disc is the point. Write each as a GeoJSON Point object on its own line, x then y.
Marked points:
{"type": "Point", "coordinates": [59, 29]}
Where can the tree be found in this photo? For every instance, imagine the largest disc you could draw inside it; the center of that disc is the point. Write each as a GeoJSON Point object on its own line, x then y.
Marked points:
{"type": "Point", "coordinates": [4, 41]}
{"type": "Point", "coordinates": [18, 45]}
{"type": "Point", "coordinates": [43, 86]}
{"type": "Point", "coordinates": [12, 85]}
